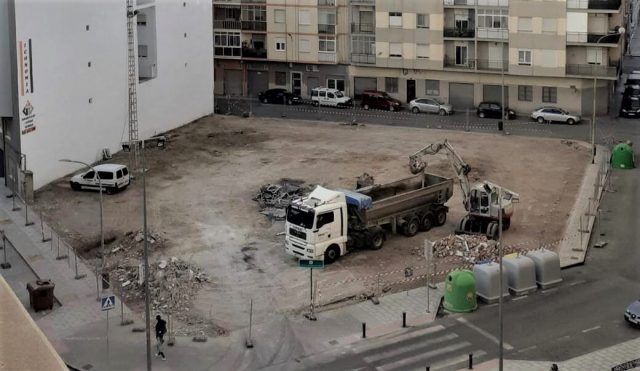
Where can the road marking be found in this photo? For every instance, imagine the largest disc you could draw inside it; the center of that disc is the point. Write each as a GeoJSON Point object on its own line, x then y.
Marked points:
{"type": "Point", "coordinates": [412, 347]}
{"type": "Point", "coordinates": [422, 357]}
{"type": "Point", "coordinates": [577, 282]}
{"type": "Point", "coordinates": [454, 361]}
{"type": "Point", "coordinates": [484, 333]}
{"type": "Point", "coordinates": [519, 297]}
{"type": "Point", "coordinates": [566, 337]}
{"type": "Point", "coordinates": [590, 329]}
{"type": "Point", "coordinates": [549, 290]}
{"type": "Point", "coordinates": [398, 338]}
{"type": "Point", "coordinates": [527, 349]}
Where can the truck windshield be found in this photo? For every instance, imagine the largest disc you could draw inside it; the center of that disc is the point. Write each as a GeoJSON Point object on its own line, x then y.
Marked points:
{"type": "Point", "coordinates": [300, 218]}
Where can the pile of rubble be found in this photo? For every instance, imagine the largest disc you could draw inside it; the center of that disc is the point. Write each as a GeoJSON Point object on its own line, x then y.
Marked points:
{"type": "Point", "coordinates": [274, 198]}
{"type": "Point", "coordinates": [471, 248]}
{"type": "Point", "coordinates": [132, 245]}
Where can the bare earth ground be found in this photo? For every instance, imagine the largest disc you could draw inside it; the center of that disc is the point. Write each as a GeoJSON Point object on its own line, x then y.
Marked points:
{"type": "Point", "coordinates": [200, 191]}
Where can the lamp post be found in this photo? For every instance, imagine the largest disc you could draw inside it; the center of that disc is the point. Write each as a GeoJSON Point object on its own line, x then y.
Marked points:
{"type": "Point", "coordinates": [619, 31]}
{"type": "Point", "coordinates": [492, 191]}
{"type": "Point", "coordinates": [101, 223]}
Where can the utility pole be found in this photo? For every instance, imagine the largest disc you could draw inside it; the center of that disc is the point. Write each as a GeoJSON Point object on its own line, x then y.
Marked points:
{"type": "Point", "coordinates": [501, 326]}
{"type": "Point", "coordinates": [147, 315]}
{"type": "Point", "coordinates": [132, 69]}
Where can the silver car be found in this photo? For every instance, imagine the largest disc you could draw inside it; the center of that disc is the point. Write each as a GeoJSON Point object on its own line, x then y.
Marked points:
{"type": "Point", "coordinates": [430, 105]}
{"type": "Point", "coordinates": [548, 114]}
{"type": "Point", "coordinates": [632, 314]}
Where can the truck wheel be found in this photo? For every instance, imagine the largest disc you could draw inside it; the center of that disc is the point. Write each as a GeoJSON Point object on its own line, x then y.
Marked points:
{"type": "Point", "coordinates": [411, 227]}
{"type": "Point", "coordinates": [492, 231]}
{"type": "Point", "coordinates": [506, 223]}
{"type": "Point", "coordinates": [465, 224]}
{"type": "Point", "coordinates": [331, 254]}
{"type": "Point", "coordinates": [441, 217]}
{"type": "Point", "coordinates": [426, 222]}
{"type": "Point", "coordinates": [376, 239]}
{"type": "Point", "coordinates": [75, 186]}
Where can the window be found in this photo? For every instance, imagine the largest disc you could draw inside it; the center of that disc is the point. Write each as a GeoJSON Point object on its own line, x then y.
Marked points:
{"type": "Point", "coordinates": [422, 21]}
{"type": "Point", "coordinates": [119, 174]}
{"type": "Point", "coordinates": [324, 219]}
{"type": "Point", "coordinates": [281, 44]}
{"type": "Point", "coordinates": [327, 44]}
{"type": "Point", "coordinates": [363, 44]}
{"type": "Point", "coordinates": [322, 93]}
{"type": "Point", "coordinates": [304, 17]}
{"type": "Point", "coordinates": [141, 19]}
{"type": "Point", "coordinates": [524, 24]}
{"type": "Point", "coordinates": [254, 13]}
{"type": "Point", "coordinates": [125, 171]}
{"type": "Point", "coordinates": [432, 87]}
{"type": "Point", "coordinates": [549, 94]}
{"type": "Point", "coordinates": [89, 175]}
{"type": "Point", "coordinates": [326, 21]}
{"type": "Point", "coordinates": [281, 78]}
{"type": "Point", "coordinates": [143, 51]}
{"type": "Point", "coordinates": [493, 18]}
{"type": "Point", "coordinates": [335, 84]}
{"type": "Point", "coordinates": [524, 57]}
{"type": "Point", "coordinates": [391, 84]}
{"type": "Point", "coordinates": [105, 175]}
{"type": "Point", "coordinates": [422, 51]}
{"type": "Point", "coordinates": [279, 15]}
{"type": "Point", "coordinates": [549, 25]}
{"type": "Point", "coordinates": [395, 19]}
{"type": "Point", "coordinates": [395, 49]}
{"type": "Point", "coordinates": [304, 46]}
{"type": "Point", "coordinates": [594, 55]}
{"type": "Point", "coordinates": [227, 43]}
{"type": "Point", "coordinates": [525, 93]}
{"type": "Point", "coordinates": [330, 95]}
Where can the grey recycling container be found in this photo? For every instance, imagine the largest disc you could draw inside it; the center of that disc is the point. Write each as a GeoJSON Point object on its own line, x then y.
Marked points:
{"type": "Point", "coordinates": [488, 281]}
{"type": "Point", "coordinates": [547, 266]}
{"type": "Point", "coordinates": [521, 274]}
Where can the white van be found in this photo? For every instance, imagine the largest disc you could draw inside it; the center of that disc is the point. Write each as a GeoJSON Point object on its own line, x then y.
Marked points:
{"type": "Point", "coordinates": [114, 177]}
{"type": "Point", "coordinates": [330, 97]}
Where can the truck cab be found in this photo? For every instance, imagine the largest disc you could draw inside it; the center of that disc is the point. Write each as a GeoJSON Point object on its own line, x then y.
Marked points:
{"type": "Point", "coordinates": [316, 226]}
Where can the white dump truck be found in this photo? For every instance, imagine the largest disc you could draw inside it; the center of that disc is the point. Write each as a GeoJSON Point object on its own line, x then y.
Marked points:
{"type": "Point", "coordinates": [327, 224]}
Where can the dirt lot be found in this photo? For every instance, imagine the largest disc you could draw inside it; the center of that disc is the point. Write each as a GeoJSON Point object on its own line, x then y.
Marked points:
{"type": "Point", "coordinates": [200, 191]}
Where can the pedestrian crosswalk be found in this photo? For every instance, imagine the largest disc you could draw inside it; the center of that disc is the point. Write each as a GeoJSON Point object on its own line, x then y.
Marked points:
{"type": "Point", "coordinates": [435, 347]}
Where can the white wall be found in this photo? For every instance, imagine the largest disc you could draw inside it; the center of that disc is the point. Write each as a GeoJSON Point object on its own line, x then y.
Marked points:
{"type": "Point", "coordinates": [5, 62]}
{"type": "Point", "coordinates": [67, 125]}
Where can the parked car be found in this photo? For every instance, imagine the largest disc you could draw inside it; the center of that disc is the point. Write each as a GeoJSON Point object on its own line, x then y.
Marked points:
{"type": "Point", "coordinates": [633, 79]}
{"type": "Point", "coordinates": [632, 314]}
{"type": "Point", "coordinates": [330, 97]}
{"type": "Point", "coordinates": [631, 91]}
{"type": "Point", "coordinates": [114, 177]}
{"type": "Point", "coordinates": [279, 96]}
{"type": "Point", "coordinates": [492, 109]}
{"type": "Point", "coordinates": [430, 105]}
{"type": "Point", "coordinates": [379, 100]}
{"type": "Point", "coordinates": [549, 114]}
{"type": "Point", "coordinates": [630, 106]}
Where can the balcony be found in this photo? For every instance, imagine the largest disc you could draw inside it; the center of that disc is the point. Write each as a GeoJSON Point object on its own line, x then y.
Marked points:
{"type": "Point", "coordinates": [254, 25]}
{"type": "Point", "coordinates": [589, 38]}
{"type": "Point", "coordinates": [253, 1]}
{"type": "Point", "coordinates": [490, 65]}
{"type": "Point", "coordinates": [327, 57]}
{"type": "Point", "coordinates": [227, 51]}
{"type": "Point", "coordinates": [227, 24]}
{"type": "Point", "coordinates": [363, 28]}
{"type": "Point", "coordinates": [493, 33]}
{"type": "Point", "coordinates": [459, 2]}
{"type": "Point", "coordinates": [594, 70]}
{"type": "Point", "coordinates": [594, 4]}
{"type": "Point", "coordinates": [460, 33]}
{"type": "Point", "coordinates": [254, 53]}
{"type": "Point", "coordinates": [363, 58]}
{"type": "Point", "coordinates": [469, 64]}
{"type": "Point", "coordinates": [493, 2]}
{"type": "Point", "coordinates": [326, 2]}
{"type": "Point", "coordinates": [363, 2]}
{"type": "Point", "coordinates": [327, 28]}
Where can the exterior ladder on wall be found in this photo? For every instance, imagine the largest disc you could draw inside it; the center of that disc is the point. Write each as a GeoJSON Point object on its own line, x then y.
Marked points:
{"type": "Point", "coordinates": [132, 83]}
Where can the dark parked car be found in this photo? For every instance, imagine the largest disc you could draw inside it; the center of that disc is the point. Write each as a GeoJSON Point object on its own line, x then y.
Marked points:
{"type": "Point", "coordinates": [492, 109]}
{"type": "Point", "coordinates": [630, 106]}
{"type": "Point", "coordinates": [379, 100]}
{"type": "Point", "coordinates": [631, 91]}
{"type": "Point", "coordinates": [279, 96]}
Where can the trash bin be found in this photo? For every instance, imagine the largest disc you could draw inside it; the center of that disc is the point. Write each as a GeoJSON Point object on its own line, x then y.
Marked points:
{"type": "Point", "coordinates": [41, 294]}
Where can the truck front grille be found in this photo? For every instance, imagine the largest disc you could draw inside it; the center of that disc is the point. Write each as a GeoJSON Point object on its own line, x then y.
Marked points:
{"type": "Point", "coordinates": [296, 233]}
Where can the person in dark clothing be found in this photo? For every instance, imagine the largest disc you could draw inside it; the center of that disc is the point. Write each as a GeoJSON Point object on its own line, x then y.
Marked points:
{"type": "Point", "coordinates": [161, 329]}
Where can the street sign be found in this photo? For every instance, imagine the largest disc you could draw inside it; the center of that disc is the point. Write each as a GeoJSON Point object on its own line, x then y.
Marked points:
{"type": "Point", "coordinates": [307, 263]}
{"type": "Point", "coordinates": [108, 302]}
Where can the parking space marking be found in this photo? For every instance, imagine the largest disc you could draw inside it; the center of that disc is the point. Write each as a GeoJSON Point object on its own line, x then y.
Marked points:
{"type": "Point", "coordinates": [590, 329]}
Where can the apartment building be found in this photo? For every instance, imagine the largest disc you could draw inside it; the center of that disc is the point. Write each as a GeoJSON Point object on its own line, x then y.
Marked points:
{"type": "Point", "coordinates": [292, 44]}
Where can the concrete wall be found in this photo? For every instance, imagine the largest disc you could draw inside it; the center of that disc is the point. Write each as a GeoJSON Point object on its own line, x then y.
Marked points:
{"type": "Point", "coordinates": [79, 109]}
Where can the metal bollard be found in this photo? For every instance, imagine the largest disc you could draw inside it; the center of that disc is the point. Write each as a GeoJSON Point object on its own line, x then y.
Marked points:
{"type": "Point", "coordinates": [60, 257]}
{"type": "Point", "coordinates": [5, 264]}
{"type": "Point", "coordinates": [78, 276]}
{"type": "Point", "coordinates": [15, 207]}
{"type": "Point", "coordinates": [364, 330]}
{"type": "Point", "coordinates": [404, 319]}
{"type": "Point", "coordinates": [470, 361]}
{"type": "Point", "coordinates": [44, 239]}
{"type": "Point", "coordinates": [26, 214]}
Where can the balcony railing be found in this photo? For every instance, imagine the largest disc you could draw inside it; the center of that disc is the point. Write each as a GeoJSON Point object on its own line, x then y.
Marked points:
{"type": "Point", "coordinates": [493, 2]}
{"type": "Point", "coordinates": [326, 28]}
{"type": "Point", "coordinates": [490, 65]}
{"type": "Point", "coordinates": [594, 4]}
{"type": "Point", "coordinates": [595, 70]}
{"type": "Point", "coordinates": [584, 37]}
{"type": "Point", "coordinates": [362, 27]}
{"type": "Point", "coordinates": [468, 64]}
{"type": "Point", "coordinates": [459, 32]}
{"type": "Point", "coordinates": [254, 25]}
{"type": "Point", "coordinates": [367, 2]}
{"type": "Point", "coordinates": [254, 53]}
{"type": "Point", "coordinates": [363, 58]}
{"type": "Point", "coordinates": [253, 1]}
{"type": "Point", "coordinates": [493, 33]}
{"type": "Point", "coordinates": [329, 57]}
{"type": "Point", "coordinates": [227, 51]}
{"type": "Point", "coordinates": [227, 24]}
{"type": "Point", "coordinates": [460, 2]}
{"type": "Point", "coordinates": [326, 2]}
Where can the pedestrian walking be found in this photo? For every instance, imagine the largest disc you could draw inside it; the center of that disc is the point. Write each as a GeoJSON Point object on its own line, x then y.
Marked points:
{"type": "Point", "coordinates": [161, 329]}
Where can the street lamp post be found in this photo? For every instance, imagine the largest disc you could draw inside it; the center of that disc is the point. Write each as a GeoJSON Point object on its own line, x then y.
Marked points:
{"type": "Point", "coordinates": [101, 223]}
{"type": "Point", "coordinates": [147, 298]}
{"type": "Point", "coordinates": [491, 192]}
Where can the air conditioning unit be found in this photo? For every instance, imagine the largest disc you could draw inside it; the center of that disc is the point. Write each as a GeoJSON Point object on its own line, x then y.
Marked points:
{"type": "Point", "coordinates": [312, 68]}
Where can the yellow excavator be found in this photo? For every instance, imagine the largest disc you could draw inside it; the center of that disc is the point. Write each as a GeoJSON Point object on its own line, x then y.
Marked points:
{"type": "Point", "coordinates": [483, 201]}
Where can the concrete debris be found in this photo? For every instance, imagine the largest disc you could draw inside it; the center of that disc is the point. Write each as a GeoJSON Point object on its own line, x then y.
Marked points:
{"type": "Point", "coordinates": [364, 180]}
{"type": "Point", "coordinates": [471, 248]}
{"type": "Point", "coordinates": [274, 198]}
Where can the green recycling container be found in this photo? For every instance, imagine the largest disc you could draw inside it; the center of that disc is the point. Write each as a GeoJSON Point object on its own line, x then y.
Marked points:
{"type": "Point", "coordinates": [622, 156]}
{"type": "Point", "coordinates": [460, 291]}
